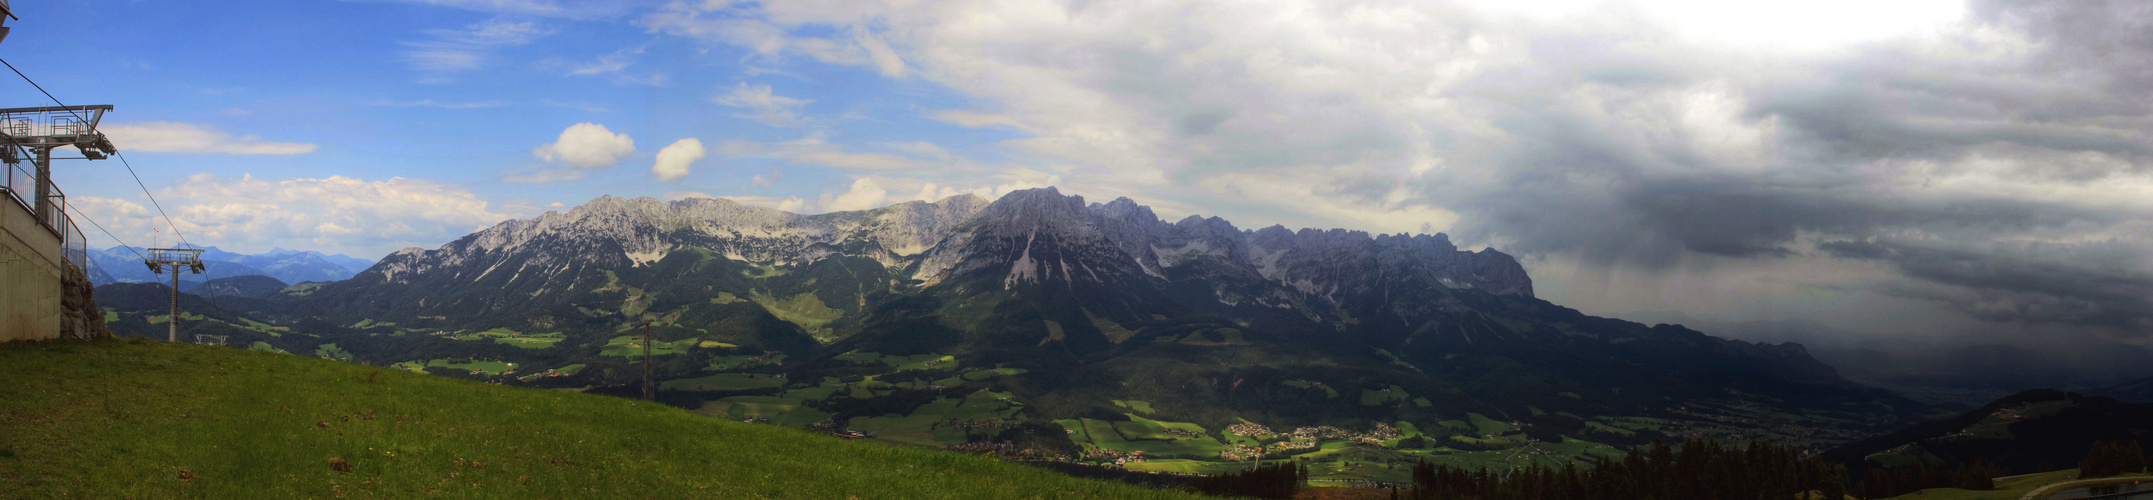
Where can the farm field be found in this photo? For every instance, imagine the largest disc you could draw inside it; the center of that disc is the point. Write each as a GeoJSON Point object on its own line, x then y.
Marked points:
{"type": "Point", "coordinates": [632, 347]}
{"type": "Point", "coordinates": [149, 419]}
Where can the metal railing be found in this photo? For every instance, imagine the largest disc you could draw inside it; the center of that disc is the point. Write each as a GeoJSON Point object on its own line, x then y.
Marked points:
{"type": "Point", "coordinates": [50, 121]}
{"type": "Point", "coordinates": [21, 188]}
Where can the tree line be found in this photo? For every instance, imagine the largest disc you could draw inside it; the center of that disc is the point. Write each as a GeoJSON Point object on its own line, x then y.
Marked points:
{"type": "Point", "coordinates": [1269, 481]}
{"type": "Point", "coordinates": [1699, 470]}
{"type": "Point", "coordinates": [2108, 459]}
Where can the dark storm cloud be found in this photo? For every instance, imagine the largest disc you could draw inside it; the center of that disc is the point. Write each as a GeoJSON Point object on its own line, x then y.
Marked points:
{"type": "Point", "coordinates": [1646, 222]}
{"type": "Point", "coordinates": [2057, 92]}
{"type": "Point", "coordinates": [2054, 76]}
{"type": "Point", "coordinates": [1616, 138]}
{"type": "Point", "coordinates": [2014, 290]}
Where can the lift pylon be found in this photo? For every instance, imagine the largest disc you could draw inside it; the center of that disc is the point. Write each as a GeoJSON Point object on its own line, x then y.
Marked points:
{"type": "Point", "coordinates": [174, 260]}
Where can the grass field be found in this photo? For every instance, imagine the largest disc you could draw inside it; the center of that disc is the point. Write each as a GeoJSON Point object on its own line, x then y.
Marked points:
{"type": "Point", "coordinates": [140, 419]}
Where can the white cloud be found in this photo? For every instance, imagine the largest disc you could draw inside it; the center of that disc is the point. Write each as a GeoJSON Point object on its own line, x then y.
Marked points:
{"type": "Point", "coordinates": [885, 58]}
{"type": "Point", "coordinates": [767, 107]}
{"type": "Point", "coordinates": [673, 161]}
{"type": "Point", "coordinates": [870, 192]}
{"type": "Point", "coordinates": [469, 48]}
{"type": "Point", "coordinates": [976, 119]}
{"type": "Point", "coordinates": [333, 215]}
{"type": "Point", "coordinates": [705, 20]}
{"type": "Point", "coordinates": [865, 194]}
{"type": "Point", "coordinates": [581, 149]}
{"type": "Point", "coordinates": [587, 145]}
{"type": "Point", "coordinates": [176, 137]}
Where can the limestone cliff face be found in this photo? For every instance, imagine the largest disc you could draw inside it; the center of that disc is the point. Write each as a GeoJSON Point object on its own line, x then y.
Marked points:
{"type": "Point", "coordinates": [1035, 236]}
{"type": "Point", "coordinates": [80, 318]}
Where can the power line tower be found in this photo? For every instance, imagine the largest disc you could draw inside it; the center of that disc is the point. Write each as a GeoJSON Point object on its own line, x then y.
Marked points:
{"type": "Point", "coordinates": [174, 260]}
{"type": "Point", "coordinates": [649, 392]}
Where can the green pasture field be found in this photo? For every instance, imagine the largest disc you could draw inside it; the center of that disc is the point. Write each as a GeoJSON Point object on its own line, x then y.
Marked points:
{"type": "Point", "coordinates": [1186, 466]}
{"type": "Point", "coordinates": [632, 347]}
{"type": "Point", "coordinates": [1143, 407]}
{"type": "Point", "coordinates": [143, 419]}
{"type": "Point", "coordinates": [492, 367]}
{"type": "Point", "coordinates": [1146, 435]}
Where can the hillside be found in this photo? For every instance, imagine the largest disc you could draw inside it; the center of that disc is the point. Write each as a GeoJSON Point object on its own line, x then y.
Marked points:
{"type": "Point", "coordinates": [139, 419]}
{"type": "Point", "coordinates": [2023, 433]}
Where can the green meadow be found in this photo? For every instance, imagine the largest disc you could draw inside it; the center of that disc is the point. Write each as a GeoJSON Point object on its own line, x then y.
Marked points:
{"type": "Point", "coordinates": [143, 419]}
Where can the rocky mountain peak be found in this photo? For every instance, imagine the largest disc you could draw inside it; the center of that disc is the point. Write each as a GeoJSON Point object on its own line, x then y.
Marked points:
{"type": "Point", "coordinates": [1028, 235]}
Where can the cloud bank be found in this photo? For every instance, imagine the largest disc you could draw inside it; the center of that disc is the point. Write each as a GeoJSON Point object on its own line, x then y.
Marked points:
{"type": "Point", "coordinates": [176, 137]}
{"type": "Point", "coordinates": [334, 215]}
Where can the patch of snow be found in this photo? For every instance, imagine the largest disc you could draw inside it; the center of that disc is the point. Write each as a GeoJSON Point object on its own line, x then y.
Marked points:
{"type": "Point", "coordinates": [641, 258]}
{"type": "Point", "coordinates": [1268, 263]}
{"type": "Point", "coordinates": [1024, 268]}
{"type": "Point", "coordinates": [1147, 268]}
{"type": "Point", "coordinates": [1221, 294]}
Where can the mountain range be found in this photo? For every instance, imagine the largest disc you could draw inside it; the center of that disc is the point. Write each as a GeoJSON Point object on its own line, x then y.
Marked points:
{"type": "Point", "coordinates": [920, 320]}
{"type": "Point", "coordinates": [121, 264]}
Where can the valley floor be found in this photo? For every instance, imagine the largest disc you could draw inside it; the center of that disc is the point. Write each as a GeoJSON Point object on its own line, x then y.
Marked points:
{"type": "Point", "coordinates": [144, 419]}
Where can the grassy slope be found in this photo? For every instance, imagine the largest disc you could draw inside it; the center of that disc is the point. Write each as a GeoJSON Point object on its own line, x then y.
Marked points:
{"type": "Point", "coordinates": [123, 419]}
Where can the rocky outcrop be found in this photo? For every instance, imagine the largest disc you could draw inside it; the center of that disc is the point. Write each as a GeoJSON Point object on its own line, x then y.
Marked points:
{"type": "Point", "coordinates": [80, 318]}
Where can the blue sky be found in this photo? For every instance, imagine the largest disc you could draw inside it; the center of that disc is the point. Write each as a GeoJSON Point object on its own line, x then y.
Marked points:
{"type": "Point", "coordinates": [1915, 167]}
{"type": "Point", "coordinates": [379, 90]}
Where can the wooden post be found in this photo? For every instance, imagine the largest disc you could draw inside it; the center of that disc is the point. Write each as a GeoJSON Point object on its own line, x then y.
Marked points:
{"type": "Point", "coordinates": [649, 392]}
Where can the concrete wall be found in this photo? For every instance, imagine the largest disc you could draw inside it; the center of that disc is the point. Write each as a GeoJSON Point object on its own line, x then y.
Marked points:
{"type": "Point", "coordinates": [30, 275]}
